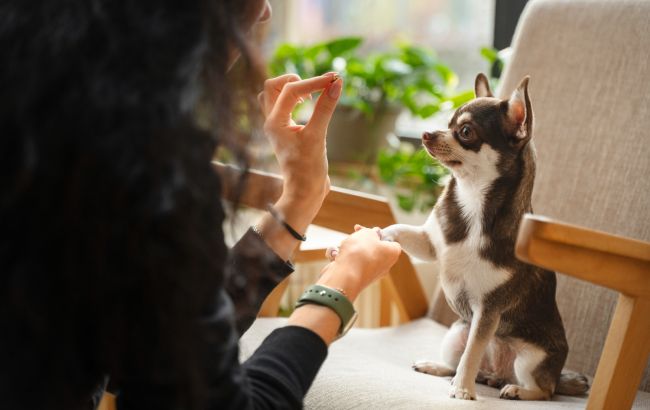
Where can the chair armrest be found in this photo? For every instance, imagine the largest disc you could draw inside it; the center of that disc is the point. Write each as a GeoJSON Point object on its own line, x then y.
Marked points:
{"type": "Point", "coordinates": [341, 209]}
{"type": "Point", "coordinates": [618, 263]}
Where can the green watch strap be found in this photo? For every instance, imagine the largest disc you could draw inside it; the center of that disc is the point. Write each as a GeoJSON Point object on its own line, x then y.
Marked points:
{"type": "Point", "coordinates": [333, 299]}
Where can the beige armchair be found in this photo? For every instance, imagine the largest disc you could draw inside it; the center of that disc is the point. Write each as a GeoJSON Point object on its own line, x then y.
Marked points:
{"type": "Point", "coordinates": [589, 63]}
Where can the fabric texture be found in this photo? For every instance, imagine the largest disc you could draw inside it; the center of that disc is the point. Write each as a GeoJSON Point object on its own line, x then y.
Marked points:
{"type": "Point", "coordinates": [589, 63]}
{"type": "Point", "coordinates": [254, 271]}
{"type": "Point", "coordinates": [371, 369]}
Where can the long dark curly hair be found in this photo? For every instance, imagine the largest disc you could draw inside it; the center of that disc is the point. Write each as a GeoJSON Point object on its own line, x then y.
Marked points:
{"type": "Point", "coordinates": [110, 218]}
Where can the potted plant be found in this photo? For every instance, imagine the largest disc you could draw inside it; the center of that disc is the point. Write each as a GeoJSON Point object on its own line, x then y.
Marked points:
{"type": "Point", "coordinates": [377, 87]}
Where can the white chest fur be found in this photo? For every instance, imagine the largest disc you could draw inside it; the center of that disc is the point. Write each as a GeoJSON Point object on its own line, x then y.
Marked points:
{"type": "Point", "coordinates": [462, 267]}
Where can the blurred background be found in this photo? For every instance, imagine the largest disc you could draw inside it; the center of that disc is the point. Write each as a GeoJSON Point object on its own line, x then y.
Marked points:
{"type": "Point", "coordinates": [406, 64]}
{"type": "Point", "coordinates": [455, 29]}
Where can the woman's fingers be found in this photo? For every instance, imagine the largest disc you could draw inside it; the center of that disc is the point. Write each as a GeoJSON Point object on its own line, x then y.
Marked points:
{"type": "Point", "coordinates": [375, 229]}
{"type": "Point", "coordinates": [325, 108]}
{"type": "Point", "coordinates": [272, 89]}
{"type": "Point", "coordinates": [290, 95]}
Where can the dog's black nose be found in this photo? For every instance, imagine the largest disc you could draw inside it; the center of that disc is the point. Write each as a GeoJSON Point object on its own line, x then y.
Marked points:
{"type": "Point", "coordinates": [428, 136]}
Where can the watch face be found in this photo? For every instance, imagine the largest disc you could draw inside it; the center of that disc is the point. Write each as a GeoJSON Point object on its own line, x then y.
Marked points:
{"type": "Point", "coordinates": [349, 325]}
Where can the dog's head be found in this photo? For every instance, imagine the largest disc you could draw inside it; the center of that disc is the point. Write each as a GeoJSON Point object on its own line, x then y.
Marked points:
{"type": "Point", "coordinates": [485, 133]}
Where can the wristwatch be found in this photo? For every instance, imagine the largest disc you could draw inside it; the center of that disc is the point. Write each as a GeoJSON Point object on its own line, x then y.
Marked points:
{"type": "Point", "coordinates": [333, 299]}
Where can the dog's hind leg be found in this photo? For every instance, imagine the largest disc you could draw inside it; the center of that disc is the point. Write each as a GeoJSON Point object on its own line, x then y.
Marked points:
{"type": "Point", "coordinates": [452, 347]}
{"type": "Point", "coordinates": [529, 366]}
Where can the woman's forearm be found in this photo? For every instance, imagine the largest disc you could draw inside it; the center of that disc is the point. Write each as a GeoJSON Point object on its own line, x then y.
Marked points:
{"type": "Point", "coordinates": [319, 319]}
{"type": "Point", "coordinates": [298, 214]}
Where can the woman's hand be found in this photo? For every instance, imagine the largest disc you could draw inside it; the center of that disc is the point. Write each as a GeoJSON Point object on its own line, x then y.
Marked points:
{"type": "Point", "coordinates": [300, 149]}
{"type": "Point", "coordinates": [361, 259]}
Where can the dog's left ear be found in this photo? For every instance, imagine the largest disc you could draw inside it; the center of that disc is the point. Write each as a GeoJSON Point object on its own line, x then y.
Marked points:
{"type": "Point", "coordinates": [520, 112]}
{"type": "Point", "coordinates": [482, 86]}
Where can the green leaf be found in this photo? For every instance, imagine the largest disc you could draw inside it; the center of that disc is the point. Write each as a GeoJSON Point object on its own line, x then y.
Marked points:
{"type": "Point", "coordinates": [428, 110]}
{"type": "Point", "coordinates": [461, 98]}
{"type": "Point", "coordinates": [407, 203]}
{"type": "Point", "coordinates": [343, 45]}
{"type": "Point", "coordinates": [314, 51]}
{"type": "Point", "coordinates": [447, 75]}
{"type": "Point", "coordinates": [490, 54]}
{"type": "Point", "coordinates": [417, 56]}
{"type": "Point", "coordinates": [285, 51]}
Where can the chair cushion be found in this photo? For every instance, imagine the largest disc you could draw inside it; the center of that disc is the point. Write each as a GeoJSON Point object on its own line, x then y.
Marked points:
{"type": "Point", "coordinates": [371, 368]}
{"type": "Point", "coordinates": [589, 63]}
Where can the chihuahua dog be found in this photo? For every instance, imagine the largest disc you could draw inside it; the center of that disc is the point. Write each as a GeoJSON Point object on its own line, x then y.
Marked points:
{"type": "Point", "coordinates": [510, 334]}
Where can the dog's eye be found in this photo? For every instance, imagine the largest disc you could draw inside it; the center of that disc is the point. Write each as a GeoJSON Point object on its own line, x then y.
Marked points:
{"type": "Point", "coordinates": [465, 132]}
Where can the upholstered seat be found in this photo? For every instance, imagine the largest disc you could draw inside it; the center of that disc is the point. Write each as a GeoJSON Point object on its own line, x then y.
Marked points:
{"type": "Point", "coordinates": [371, 369]}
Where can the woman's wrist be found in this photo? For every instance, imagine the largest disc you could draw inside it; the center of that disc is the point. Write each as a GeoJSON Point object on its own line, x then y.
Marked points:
{"type": "Point", "coordinates": [324, 320]}
{"type": "Point", "coordinates": [307, 201]}
{"type": "Point", "coordinates": [319, 319]}
{"type": "Point", "coordinates": [297, 214]}
{"type": "Point", "coordinates": [343, 277]}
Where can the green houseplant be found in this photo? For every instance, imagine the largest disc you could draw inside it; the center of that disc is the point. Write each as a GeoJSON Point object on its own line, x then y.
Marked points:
{"type": "Point", "coordinates": [416, 178]}
{"type": "Point", "coordinates": [377, 87]}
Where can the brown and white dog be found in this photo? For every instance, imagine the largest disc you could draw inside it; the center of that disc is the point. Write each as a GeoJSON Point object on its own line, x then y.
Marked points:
{"type": "Point", "coordinates": [510, 334]}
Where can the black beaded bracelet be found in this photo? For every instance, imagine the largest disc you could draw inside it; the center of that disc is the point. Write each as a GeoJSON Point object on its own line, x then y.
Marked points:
{"type": "Point", "coordinates": [276, 215]}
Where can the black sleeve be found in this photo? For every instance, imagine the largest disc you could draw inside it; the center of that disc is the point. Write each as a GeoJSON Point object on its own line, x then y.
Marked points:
{"type": "Point", "coordinates": [253, 272]}
{"type": "Point", "coordinates": [277, 375]}
{"type": "Point", "coordinates": [284, 366]}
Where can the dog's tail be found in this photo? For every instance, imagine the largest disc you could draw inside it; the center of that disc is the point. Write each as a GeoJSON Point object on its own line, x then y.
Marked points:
{"type": "Point", "coordinates": [572, 384]}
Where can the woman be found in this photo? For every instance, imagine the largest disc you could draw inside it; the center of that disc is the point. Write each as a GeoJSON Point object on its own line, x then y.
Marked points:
{"type": "Point", "coordinates": [113, 263]}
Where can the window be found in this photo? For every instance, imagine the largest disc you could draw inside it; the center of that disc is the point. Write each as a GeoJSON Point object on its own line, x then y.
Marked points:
{"type": "Point", "coordinates": [455, 29]}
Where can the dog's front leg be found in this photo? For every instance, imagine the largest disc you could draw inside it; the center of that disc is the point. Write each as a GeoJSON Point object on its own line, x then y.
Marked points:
{"type": "Point", "coordinates": [481, 331]}
{"type": "Point", "coordinates": [413, 239]}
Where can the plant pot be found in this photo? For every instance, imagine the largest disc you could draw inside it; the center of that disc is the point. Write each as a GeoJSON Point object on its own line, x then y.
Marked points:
{"type": "Point", "coordinates": [353, 137]}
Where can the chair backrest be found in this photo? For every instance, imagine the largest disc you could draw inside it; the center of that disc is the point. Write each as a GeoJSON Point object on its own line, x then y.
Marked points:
{"type": "Point", "coordinates": [589, 63]}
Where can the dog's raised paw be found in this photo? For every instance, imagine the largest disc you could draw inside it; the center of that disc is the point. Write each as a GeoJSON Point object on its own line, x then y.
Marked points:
{"type": "Point", "coordinates": [389, 234]}
{"type": "Point", "coordinates": [463, 393]}
{"type": "Point", "coordinates": [433, 369]}
{"type": "Point", "coordinates": [510, 392]}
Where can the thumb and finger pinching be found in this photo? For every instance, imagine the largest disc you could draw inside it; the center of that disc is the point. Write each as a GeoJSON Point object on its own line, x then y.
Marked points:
{"type": "Point", "coordinates": [291, 93]}
{"type": "Point", "coordinates": [325, 107]}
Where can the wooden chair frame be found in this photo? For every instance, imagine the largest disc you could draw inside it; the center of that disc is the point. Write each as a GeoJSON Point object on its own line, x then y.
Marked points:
{"type": "Point", "coordinates": [614, 262]}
